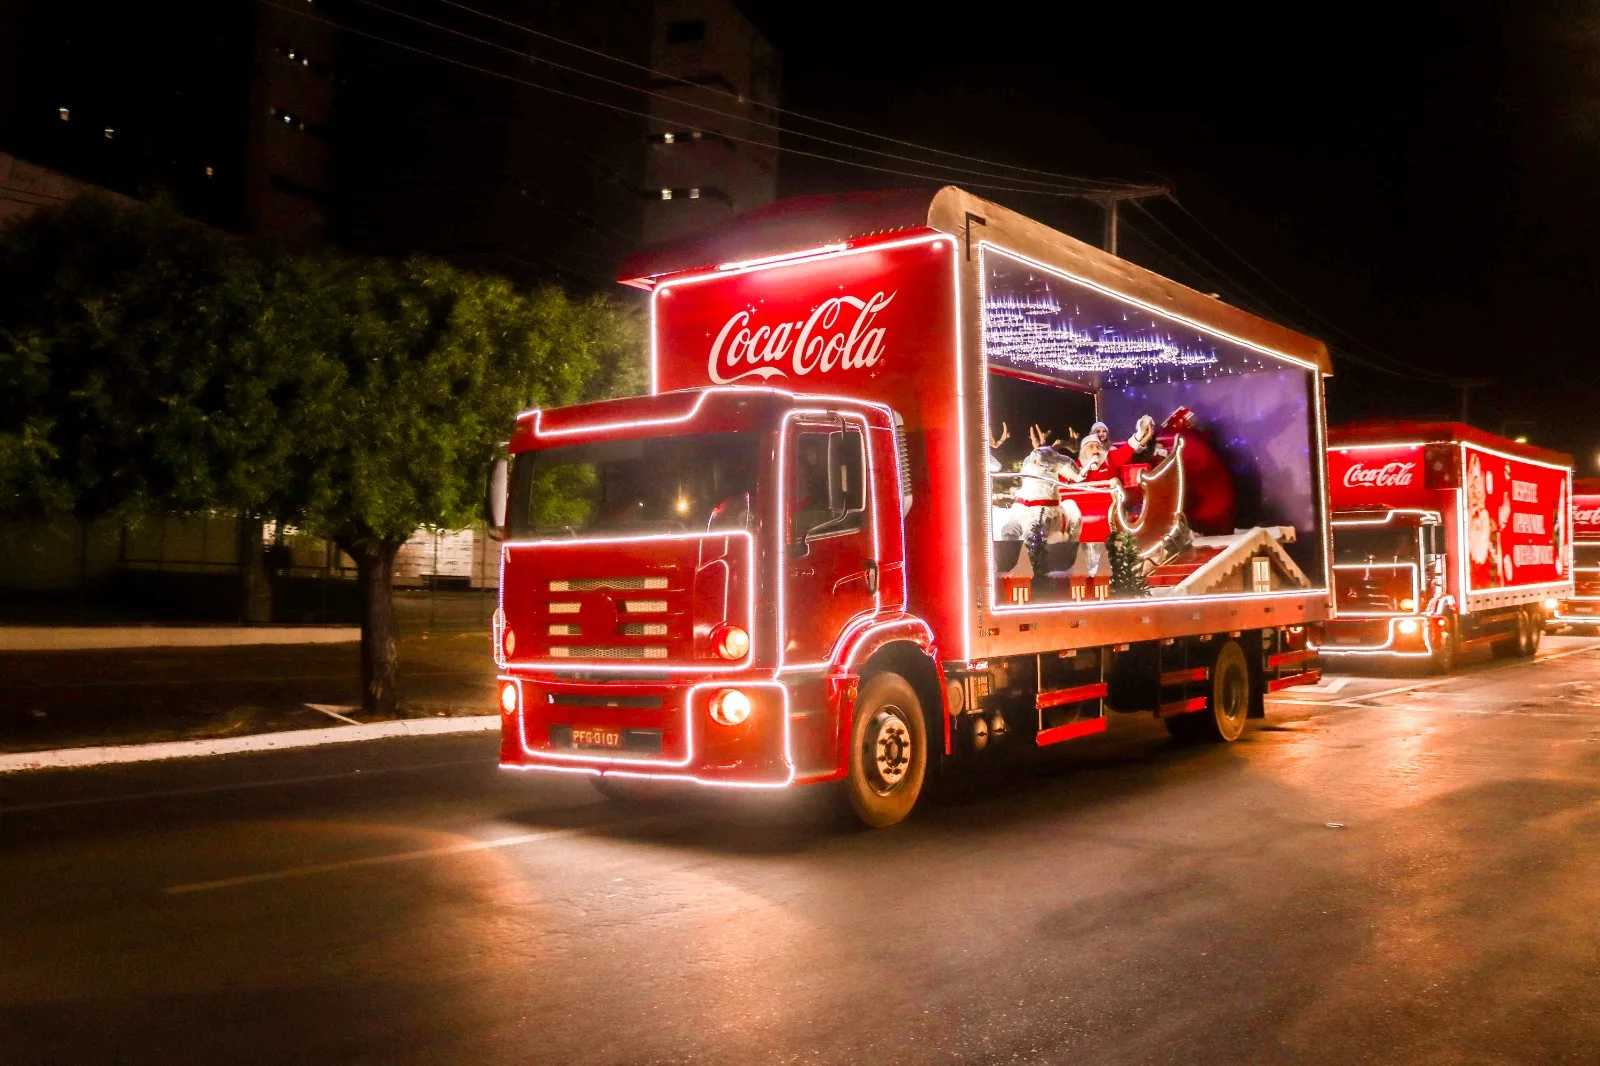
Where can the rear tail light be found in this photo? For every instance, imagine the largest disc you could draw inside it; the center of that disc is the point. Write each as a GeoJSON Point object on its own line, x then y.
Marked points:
{"type": "Point", "coordinates": [730, 707]}
{"type": "Point", "coordinates": [509, 697]}
{"type": "Point", "coordinates": [730, 641]}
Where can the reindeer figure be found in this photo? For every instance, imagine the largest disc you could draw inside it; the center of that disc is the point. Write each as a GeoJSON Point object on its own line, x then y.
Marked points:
{"type": "Point", "coordinates": [1039, 495]}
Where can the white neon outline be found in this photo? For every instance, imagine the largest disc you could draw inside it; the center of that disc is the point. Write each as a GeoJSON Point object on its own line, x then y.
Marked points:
{"type": "Point", "coordinates": [1318, 458]}
{"type": "Point", "coordinates": [608, 765]}
{"type": "Point", "coordinates": [784, 257]}
{"type": "Point", "coordinates": [807, 255]}
{"type": "Point", "coordinates": [653, 666]}
{"type": "Point", "coordinates": [1386, 647]}
{"type": "Point", "coordinates": [781, 477]}
{"type": "Point", "coordinates": [1461, 508]}
{"type": "Point", "coordinates": [1389, 516]}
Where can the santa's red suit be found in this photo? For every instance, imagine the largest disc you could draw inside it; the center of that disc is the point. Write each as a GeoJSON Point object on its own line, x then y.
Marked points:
{"type": "Point", "coordinates": [1208, 493]}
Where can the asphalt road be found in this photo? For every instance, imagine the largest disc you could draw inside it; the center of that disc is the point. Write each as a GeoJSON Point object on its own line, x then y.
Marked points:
{"type": "Point", "coordinates": [1389, 870]}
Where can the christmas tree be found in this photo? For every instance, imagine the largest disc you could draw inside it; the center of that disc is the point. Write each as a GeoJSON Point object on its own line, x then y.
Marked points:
{"type": "Point", "coordinates": [1127, 569]}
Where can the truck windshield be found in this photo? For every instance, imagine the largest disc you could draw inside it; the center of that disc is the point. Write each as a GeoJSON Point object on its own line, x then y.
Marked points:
{"type": "Point", "coordinates": [1586, 556]}
{"type": "Point", "coordinates": [655, 484]}
{"type": "Point", "coordinates": [1354, 545]}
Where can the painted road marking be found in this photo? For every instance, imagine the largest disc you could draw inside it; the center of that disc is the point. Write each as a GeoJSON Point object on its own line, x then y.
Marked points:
{"type": "Point", "coordinates": [370, 860]}
{"type": "Point", "coordinates": [291, 738]}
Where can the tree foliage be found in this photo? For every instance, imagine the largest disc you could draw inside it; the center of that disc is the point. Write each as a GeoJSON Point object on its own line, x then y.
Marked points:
{"type": "Point", "coordinates": [153, 364]}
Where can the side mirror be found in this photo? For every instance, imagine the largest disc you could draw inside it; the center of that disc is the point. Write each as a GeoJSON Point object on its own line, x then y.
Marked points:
{"type": "Point", "coordinates": [494, 501]}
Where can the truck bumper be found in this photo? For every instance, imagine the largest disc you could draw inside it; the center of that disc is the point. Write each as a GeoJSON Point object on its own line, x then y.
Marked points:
{"type": "Point", "coordinates": [1407, 635]}
{"type": "Point", "coordinates": [650, 729]}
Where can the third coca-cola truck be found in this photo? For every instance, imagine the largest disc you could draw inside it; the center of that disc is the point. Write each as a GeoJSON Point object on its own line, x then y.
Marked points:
{"type": "Point", "coordinates": [1581, 610]}
{"type": "Point", "coordinates": [1444, 537]}
{"type": "Point", "coordinates": [919, 480]}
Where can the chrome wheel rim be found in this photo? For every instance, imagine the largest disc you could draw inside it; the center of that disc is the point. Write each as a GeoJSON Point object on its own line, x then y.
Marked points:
{"type": "Point", "coordinates": [889, 750]}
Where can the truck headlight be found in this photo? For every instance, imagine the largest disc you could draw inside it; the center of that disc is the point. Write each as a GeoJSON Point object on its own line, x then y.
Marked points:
{"type": "Point", "coordinates": [508, 697]}
{"type": "Point", "coordinates": [1551, 604]}
{"type": "Point", "coordinates": [730, 641]}
{"type": "Point", "coordinates": [1408, 604]}
{"type": "Point", "coordinates": [730, 707]}
{"type": "Point", "coordinates": [1408, 626]}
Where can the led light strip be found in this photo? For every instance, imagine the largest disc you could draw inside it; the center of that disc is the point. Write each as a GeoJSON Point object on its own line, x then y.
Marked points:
{"type": "Point", "coordinates": [1386, 647]}
{"type": "Point", "coordinates": [1319, 458]}
{"type": "Point", "coordinates": [599, 764]}
{"type": "Point", "coordinates": [654, 666]}
{"type": "Point", "coordinates": [1388, 517]}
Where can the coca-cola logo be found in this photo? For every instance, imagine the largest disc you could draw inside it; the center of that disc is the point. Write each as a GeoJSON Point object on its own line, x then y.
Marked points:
{"type": "Point", "coordinates": [1360, 475]}
{"type": "Point", "coordinates": [839, 333]}
{"type": "Point", "coordinates": [1586, 516]}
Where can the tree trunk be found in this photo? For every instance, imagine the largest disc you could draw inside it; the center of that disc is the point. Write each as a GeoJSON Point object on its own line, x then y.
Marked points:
{"type": "Point", "coordinates": [380, 635]}
{"type": "Point", "coordinates": [255, 590]}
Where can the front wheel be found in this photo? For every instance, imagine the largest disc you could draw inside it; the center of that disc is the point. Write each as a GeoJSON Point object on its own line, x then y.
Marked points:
{"type": "Point", "coordinates": [888, 751]}
{"type": "Point", "coordinates": [1227, 705]}
{"type": "Point", "coordinates": [1446, 635]}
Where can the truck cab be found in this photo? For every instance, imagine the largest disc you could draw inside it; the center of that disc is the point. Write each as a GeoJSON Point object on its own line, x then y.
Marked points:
{"type": "Point", "coordinates": [670, 560]}
{"type": "Point", "coordinates": [1390, 580]}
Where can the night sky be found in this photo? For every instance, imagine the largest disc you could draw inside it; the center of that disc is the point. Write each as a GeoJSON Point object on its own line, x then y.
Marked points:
{"type": "Point", "coordinates": [1419, 185]}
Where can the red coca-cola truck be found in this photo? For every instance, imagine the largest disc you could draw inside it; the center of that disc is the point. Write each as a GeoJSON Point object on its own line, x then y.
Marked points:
{"type": "Point", "coordinates": [1444, 537]}
{"type": "Point", "coordinates": [1581, 610]}
{"type": "Point", "coordinates": [919, 480]}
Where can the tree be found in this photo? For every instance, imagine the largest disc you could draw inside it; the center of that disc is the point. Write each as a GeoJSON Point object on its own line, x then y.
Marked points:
{"type": "Point", "coordinates": [426, 367]}
{"type": "Point", "coordinates": [1127, 569]}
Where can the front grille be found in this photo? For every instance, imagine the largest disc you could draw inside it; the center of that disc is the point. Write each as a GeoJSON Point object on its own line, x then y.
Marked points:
{"type": "Point", "coordinates": [589, 584]}
{"type": "Point", "coordinates": [608, 653]}
{"type": "Point", "coordinates": [644, 629]}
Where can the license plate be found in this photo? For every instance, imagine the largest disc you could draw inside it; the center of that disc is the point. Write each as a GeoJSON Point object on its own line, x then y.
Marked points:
{"type": "Point", "coordinates": [595, 737]}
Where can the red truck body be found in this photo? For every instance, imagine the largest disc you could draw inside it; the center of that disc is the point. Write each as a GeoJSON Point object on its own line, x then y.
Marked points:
{"type": "Point", "coordinates": [1582, 608]}
{"type": "Point", "coordinates": [1444, 536]}
{"type": "Point", "coordinates": [814, 474]}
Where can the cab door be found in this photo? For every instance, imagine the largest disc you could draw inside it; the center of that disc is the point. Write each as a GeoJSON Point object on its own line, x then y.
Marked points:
{"type": "Point", "coordinates": [831, 574]}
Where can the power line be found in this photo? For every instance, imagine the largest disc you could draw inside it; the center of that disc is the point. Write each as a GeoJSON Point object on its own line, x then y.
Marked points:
{"type": "Point", "coordinates": [780, 110]}
{"type": "Point", "coordinates": [1083, 187]}
{"type": "Point", "coordinates": [1412, 372]}
{"type": "Point", "coordinates": [936, 179]}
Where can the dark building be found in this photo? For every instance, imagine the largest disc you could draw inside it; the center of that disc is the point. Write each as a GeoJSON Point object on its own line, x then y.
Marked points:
{"type": "Point", "coordinates": [494, 150]}
{"type": "Point", "coordinates": [513, 136]}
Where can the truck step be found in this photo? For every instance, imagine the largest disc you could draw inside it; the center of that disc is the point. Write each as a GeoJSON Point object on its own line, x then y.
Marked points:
{"type": "Point", "coordinates": [1077, 694]}
{"type": "Point", "coordinates": [1070, 731]}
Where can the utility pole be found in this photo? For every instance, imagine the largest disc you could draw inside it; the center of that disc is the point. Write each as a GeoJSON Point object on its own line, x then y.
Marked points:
{"type": "Point", "coordinates": [1109, 200]}
{"type": "Point", "coordinates": [1465, 386]}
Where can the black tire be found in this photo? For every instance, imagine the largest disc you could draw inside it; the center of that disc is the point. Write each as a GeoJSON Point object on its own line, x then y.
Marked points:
{"type": "Point", "coordinates": [888, 751]}
{"type": "Point", "coordinates": [1227, 704]}
{"type": "Point", "coordinates": [1534, 632]}
{"type": "Point", "coordinates": [1446, 642]}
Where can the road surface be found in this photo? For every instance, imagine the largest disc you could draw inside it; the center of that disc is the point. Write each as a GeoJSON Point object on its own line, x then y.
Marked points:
{"type": "Point", "coordinates": [1389, 870]}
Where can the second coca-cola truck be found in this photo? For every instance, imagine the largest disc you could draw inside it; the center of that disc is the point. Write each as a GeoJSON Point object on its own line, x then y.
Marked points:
{"type": "Point", "coordinates": [1581, 610]}
{"type": "Point", "coordinates": [1444, 537]}
{"type": "Point", "coordinates": [918, 480]}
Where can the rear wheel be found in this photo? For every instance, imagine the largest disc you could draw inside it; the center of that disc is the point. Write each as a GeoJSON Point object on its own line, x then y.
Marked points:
{"type": "Point", "coordinates": [888, 751]}
{"type": "Point", "coordinates": [1227, 705]}
{"type": "Point", "coordinates": [1534, 631]}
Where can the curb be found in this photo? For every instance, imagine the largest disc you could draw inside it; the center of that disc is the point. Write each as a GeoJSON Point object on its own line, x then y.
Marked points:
{"type": "Point", "coordinates": [94, 638]}
{"type": "Point", "coordinates": [291, 738]}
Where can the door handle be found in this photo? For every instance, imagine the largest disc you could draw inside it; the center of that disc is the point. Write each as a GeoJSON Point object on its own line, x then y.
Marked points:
{"type": "Point", "coordinates": [871, 567]}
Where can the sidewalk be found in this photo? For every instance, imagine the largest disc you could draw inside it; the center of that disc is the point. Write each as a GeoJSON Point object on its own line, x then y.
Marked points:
{"type": "Point", "coordinates": [83, 698]}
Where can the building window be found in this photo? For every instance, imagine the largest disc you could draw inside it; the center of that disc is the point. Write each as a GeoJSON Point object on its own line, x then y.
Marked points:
{"type": "Point", "coordinates": [686, 137]}
{"type": "Point", "coordinates": [692, 192]}
{"type": "Point", "coordinates": [686, 31]}
{"type": "Point", "coordinates": [65, 113]}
